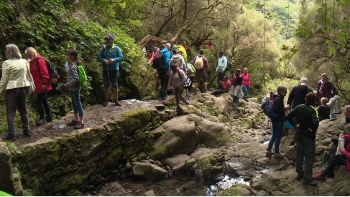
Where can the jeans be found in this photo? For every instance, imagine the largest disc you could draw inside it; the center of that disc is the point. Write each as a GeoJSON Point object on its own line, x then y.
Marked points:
{"type": "Point", "coordinates": [164, 80]}
{"type": "Point", "coordinates": [43, 105]}
{"type": "Point", "coordinates": [235, 100]}
{"type": "Point", "coordinates": [277, 130]}
{"type": "Point", "coordinates": [337, 160]}
{"type": "Point", "coordinates": [220, 78]}
{"type": "Point", "coordinates": [78, 108]}
{"type": "Point", "coordinates": [305, 149]}
{"type": "Point", "coordinates": [245, 91]}
{"type": "Point", "coordinates": [17, 98]}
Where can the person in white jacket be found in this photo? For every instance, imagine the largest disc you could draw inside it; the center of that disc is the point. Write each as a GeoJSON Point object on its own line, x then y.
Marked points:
{"type": "Point", "coordinates": [221, 67]}
{"type": "Point", "coordinates": [177, 80]}
{"type": "Point", "coordinates": [334, 104]}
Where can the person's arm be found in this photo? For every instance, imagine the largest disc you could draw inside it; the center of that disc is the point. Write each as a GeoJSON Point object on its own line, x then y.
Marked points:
{"type": "Point", "coordinates": [167, 57]}
{"type": "Point", "coordinates": [335, 91]}
{"type": "Point", "coordinates": [290, 97]}
{"type": "Point", "coordinates": [5, 76]}
{"type": "Point", "coordinates": [182, 76]}
{"type": "Point", "coordinates": [153, 56]}
{"type": "Point", "coordinates": [205, 63]}
{"type": "Point", "coordinates": [278, 107]}
{"type": "Point", "coordinates": [100, 56]}
{"type": "Point", "coordinates": [224, 63]}
{"type": "Point", "coordinates": [119, 53]}
{"type": "Point", "coordinates": [291, 115]}
{"type": "Point", "coordinates": [315, 121]}
{"type": "Point", "coordinates": [248, 80]}
{"type": "Point", "coordinates": [318, 89]}
{"type": "Point", "coordinates": [72, 81]}
{"type": "Point", "coordinates": [44, 73]}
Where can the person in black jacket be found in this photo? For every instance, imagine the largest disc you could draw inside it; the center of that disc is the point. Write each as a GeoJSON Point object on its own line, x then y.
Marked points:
{"type": "Point", "coordinates": [324, 111]}
{"type": "Point", "coordinates": [298, 93]}
{"type": "Point", "coordinates": [277, 125]}
{"type": "Point", "coordinates": [307, 117]}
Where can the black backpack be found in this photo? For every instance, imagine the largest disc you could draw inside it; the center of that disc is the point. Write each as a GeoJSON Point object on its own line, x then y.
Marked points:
{"type": "Point", "coordinates": [52, 71]}
{"type": "Point", "coordinates": [159, 61]}
{"type": "Point", "coordinates": [229, 65]}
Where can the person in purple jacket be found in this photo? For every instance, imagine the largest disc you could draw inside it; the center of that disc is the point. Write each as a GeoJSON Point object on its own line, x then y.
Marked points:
{"type": "Point", "coordinates": [325, 88]}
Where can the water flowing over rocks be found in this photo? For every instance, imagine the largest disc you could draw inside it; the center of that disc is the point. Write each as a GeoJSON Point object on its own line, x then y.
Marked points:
{"type": "Point", "coordinates": [150, 148]}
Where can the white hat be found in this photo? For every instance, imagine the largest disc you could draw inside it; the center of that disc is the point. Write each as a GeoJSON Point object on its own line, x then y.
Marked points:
{"type": "Point", "coordinates": [303, 81]}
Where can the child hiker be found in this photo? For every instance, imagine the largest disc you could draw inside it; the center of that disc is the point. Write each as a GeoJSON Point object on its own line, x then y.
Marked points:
{"type": "Point", "coordinates": [72, 85]}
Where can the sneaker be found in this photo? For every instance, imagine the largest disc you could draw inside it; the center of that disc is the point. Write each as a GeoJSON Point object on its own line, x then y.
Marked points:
{"type": "Point", "coordinates": [40, 122]}
{"type": "Point", "coordinates": [165, 98]}
{"type": "Point", "coordinates": [269, 153]}
{"type": "Point", "coordinates": [48, 118]}
{"type": "Point", "coordinates": [105, 103]}
{"type": "Point", "coordinates": [11, 137]}
{"type": "Point", "coordinates": [117, 103]}
{"type": "Point", "coordinates": [300, 176]}
{"type": "Point", "coordinates": [72, 123]}
{"type": "Point", "coordinates": [246, 100]}
{"type": "Point", "coordinates": [27, 133]}
{"type": "Point", "coordinates": [280, 155]}
{"type": "Point", "coordinates": [311, 183]}
{"type": "Point", "coordinates": [319, 177]}
{"type": "Point", "coordinates": [79, 125]}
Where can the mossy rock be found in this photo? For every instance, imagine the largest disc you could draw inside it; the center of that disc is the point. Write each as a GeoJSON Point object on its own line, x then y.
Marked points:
{"type": "Point", "coordinates": [134, 120]}
{"type": "Point", "coordinates": [113, 157]}
{"type": "Point", "coordinates": [236, 190]}
{"type": "Point", "coordinates": [69, 182]}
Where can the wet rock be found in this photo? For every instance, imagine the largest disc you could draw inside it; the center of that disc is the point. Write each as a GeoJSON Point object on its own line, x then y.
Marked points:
{"type": "Point", "coordinates": [237, 190]}
{"type": "Point", "coordinates": [176, 160]}
{"type": "Point", "coordinates": [113, 189]}
{"type": "Point", "coordinates": [148, 171]}
{"type": "Point", "coordinates": [149, 193]}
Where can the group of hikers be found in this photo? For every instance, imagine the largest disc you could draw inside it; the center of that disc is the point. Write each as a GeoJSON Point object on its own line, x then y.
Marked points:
{"type": "Point", "coordinates": [304, 110]}
{"type": "Point", "coordinates": [21, 76]}
{"type": "Point", "coordinates": [174, 69]}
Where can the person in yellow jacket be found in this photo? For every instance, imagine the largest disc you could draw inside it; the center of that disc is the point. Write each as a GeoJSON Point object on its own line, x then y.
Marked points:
{"type": "Point", "coordinates": [181, 48]}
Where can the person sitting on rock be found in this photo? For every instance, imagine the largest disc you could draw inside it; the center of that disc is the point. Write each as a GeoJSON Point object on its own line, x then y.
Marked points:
{"type": "Point", "coordinates": [226, 85]}
{"type": "Point", "coordinates": [343, 159]}
{"type": "Point", "coordinates": [307, 118]}
{"type": "Point", "coordinates": [323, 109]}
{"type": "Point", "coordinates": [334, 105]}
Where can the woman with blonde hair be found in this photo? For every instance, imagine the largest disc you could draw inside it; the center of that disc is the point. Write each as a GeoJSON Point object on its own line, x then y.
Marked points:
{"type": "Point", "coordinates": [14, 82]}
{"type": "Point", "coordinates": [41, 77]}
{"type": "Point", "coordinates": [245, 83]}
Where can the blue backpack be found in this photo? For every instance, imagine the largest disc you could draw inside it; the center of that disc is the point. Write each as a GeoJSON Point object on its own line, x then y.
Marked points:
{"type": "Point", "coordinates": [268, 107]}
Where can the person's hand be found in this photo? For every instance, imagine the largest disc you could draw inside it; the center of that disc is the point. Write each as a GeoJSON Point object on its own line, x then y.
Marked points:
{"type": "Point", "coordinates": [297, 126]}
{"type": "Point", "coordinates": [167, 73]}
{"type": "Point", "coordinates": [287, 107]}
{"type": "Point", "coordinates": [43, 87]}
{"type": "Point", "coordinates": [341, 135]}
{"type": "Point", "coordinates": [106, 62]}
{"type": "Point", "coordinates": [340, 148]}
{"type": "Point", "coordinates": [29, 60]}
{"type": "Point", "coordinates": [111, 60]}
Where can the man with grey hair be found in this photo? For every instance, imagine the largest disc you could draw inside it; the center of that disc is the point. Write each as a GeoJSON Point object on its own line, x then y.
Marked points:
{"type": "Point", "coordinates": [14, 82]}
{"type": "Point", "coordinates": [298, 93]}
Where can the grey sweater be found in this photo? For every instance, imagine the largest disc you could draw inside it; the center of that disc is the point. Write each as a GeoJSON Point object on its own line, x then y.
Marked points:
{"type": "Point", "coordinates": [72, 83]}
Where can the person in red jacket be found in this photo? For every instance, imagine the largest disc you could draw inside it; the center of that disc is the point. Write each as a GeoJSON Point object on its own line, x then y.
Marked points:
{"type": "Point", "coordinates": [41, 78]}
{"type": "Point", "coordinates": [245, 83]}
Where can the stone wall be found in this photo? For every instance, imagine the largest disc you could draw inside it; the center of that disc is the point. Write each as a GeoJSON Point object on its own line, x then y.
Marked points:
{"type": "Point", "coordinates": [71, 163]}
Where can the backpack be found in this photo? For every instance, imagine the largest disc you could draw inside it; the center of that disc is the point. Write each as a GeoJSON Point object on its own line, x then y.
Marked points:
{"type": "Point", "coordinates": [82, 76]}
{"type": "Point", "coordinates": [229, 65]}
{"type": "Point", "coordinates": [198, 64]}
{"type": "Point", "coordinates": [159, 61]}
{"type": "Point", "coordinates": [190, 69]}
{"type": "Point", "coordinates": [53, 74]}
{"type": "Point", "coordinates": [269, 109]}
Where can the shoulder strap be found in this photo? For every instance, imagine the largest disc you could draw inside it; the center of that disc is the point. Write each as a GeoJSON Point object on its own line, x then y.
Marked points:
{"type": "Point", "coordinates": [316, 111]}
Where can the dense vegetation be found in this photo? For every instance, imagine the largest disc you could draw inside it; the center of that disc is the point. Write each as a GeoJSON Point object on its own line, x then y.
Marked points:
{"type": "Point", "coordinates": [274, 39]}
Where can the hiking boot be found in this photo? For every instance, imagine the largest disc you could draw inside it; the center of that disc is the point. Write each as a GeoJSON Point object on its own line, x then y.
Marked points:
{"type": "Point", "coordinates": [27, 133]}
{"type": "Point", "coordinates": [246, 99]}
{"type": "Point", "coordinates": [331, 175]}
{"type": "Point", "coordinates": [40, 122]}
{"type": "Point", "coordinates": [319, 177]}
{"type": "Point", "coordinates": [300, 175]}
{"type": "Point", "coordinates": [72, 123]}
{"type": "Point", "coordinates": [165, 98]}
{"type": "Point", "coordinates": [311, 183]}
{"type": "Point", "coordinates": [280, 155]}
{"type": "Point", "coordinates": [105, 103]}
{"type": "Point", "coordinates": [117, 103]}
{"type": "Point", "coordinates": [269, 153]}
{"type": "Point", "coordinates": [48, 118]}
{"type": "Point", "coordinates": [11, 137]}
{"type": "Point", "coordinates": [79, 125]}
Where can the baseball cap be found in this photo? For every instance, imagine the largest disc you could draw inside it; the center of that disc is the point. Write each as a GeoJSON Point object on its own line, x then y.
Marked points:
{"type": "Point", "coordinates": [303, 81]}
{"type": "Point", "coordinates": [109, 37]}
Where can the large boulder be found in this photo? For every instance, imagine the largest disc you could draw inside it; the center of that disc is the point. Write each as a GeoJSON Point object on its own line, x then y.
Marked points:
{"type": "Point", "coordinates": [341, 182]}
{"type": "Point", "coordinates": [148, 171]}
{"type": "Point", "coordinates": [6, 181]}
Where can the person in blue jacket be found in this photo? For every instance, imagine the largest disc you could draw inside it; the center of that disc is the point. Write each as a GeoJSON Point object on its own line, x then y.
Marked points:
{"type": "Point", "coordinates": [164, 71]}
{"type": "Point", "coordinates": [110, 56]}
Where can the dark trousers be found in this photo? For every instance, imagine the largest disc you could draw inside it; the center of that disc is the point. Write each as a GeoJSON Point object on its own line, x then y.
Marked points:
{"type": "Point", "coordinates": [164, 80]}
{"type": "Point", "coordinates": [305, 149]}
{"type": "Point", "coordinates": [43, 105]}
{"type": "Point", "coordinates": [220, 78]}
{"type": "Point", "coordinates": [337, 160]}
{"type": "Point", "coordinates": [17, 98]}
{"type": "Point", "coordinates": [190, 87]}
